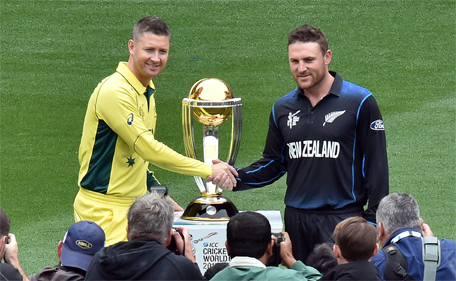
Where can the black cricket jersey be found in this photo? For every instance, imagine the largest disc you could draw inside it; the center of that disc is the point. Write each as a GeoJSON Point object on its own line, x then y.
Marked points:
{"type": "Point", "coordinates": [334, 154]}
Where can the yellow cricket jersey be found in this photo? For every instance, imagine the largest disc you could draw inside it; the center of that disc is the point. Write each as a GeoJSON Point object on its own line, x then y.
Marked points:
{"type": "Point", "coordinates": [118, 141]}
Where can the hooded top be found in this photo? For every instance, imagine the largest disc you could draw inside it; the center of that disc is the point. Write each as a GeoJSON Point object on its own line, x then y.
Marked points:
{"type": "Point", "coordinates": [141, 259]}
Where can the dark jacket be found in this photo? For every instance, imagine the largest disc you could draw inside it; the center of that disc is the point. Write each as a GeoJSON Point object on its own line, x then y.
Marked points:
{"type": "Point", "coordinates": [357, 270]}
{"type": "Point", "coordinates": [141, 259]}
{"type": "Point", "coordinates": [9, 273]}
{"type": "Point", "coordinates": [58, 273]}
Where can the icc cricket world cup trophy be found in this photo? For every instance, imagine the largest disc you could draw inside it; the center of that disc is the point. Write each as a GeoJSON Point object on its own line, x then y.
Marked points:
{"type": "Point", "coordinates": [211, 102]}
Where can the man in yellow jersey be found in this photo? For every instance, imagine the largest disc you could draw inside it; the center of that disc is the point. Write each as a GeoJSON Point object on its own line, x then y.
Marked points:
{"type": "Point", "coordinates": [118, 141]}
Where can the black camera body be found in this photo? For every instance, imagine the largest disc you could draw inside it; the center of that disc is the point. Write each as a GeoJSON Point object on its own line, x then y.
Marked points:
{"type": "Point", "coordinates": [275, 259]}
{"type": "Point", "coordinates": [172, 246]}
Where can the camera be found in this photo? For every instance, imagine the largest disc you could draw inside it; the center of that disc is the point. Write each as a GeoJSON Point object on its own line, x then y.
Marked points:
{"type": "Point", "coordinates": [173, 246]}
{"type": "Point", "coordinates": [160, 189]}
{"type": "Point", "coordinates": [275, 259]}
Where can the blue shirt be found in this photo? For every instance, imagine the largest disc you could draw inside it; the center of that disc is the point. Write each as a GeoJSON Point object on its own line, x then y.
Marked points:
{"type": "Point", "coordinates": [412, 249]}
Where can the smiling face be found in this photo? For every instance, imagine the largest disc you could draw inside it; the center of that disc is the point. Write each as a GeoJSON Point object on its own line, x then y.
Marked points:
{"type": "Point", "coordinates": [308, 64]}
{"type": "Point", "coordinates": [148, 55]}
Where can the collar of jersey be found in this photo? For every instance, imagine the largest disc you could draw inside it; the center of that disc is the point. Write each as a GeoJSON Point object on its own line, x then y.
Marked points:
{"type": "Point", "coordinates": [246, 261]}
{"type": "Point", "coordinates": [123, 69]}
{"type": "Point", "coordinates": [335, 87]}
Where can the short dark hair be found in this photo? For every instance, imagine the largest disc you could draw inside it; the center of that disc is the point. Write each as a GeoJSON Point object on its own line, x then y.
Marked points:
{"type": "Point", "coordinates": [248, 234]}
{"type": "Point", "coordinates": [5, 223]}
{"type": "Point", "coordinates": [307, 33]}
{"type": "Point", "coordinates": [356, 238]}
{"type": "Point", "coordinates": [322, 258]}
{"type": "Point", "coordinates": [153, 25]}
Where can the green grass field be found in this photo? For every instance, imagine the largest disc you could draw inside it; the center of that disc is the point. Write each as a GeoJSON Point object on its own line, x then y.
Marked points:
{"type": "Point", "coordinates": [53, 54]}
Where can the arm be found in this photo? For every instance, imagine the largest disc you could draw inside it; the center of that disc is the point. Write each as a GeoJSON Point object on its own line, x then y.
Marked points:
{"type": "Point", "coordinates": [288, 260]}
{"type": "Point", "coordinates": [184, 245]}
{"type": "Point", "coordinates": [12, 255]}
{"type": "Point", "coordinates": [286, 251]}
{"type": "Point", "coordinates": [371, 136]}
{"type": "Point", "coordinates": [271, 167]}
{"type": "Point", "coordinates": [426, 230]}
{"type": "Point", "coordinates": [119, 110]}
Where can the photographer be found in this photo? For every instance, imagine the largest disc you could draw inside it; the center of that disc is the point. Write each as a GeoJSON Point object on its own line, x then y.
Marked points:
{"type": "Point", "coordinates": [145, 255]}
{"type": "Point", "coordinates": [251, 245]}
{"type": "Point", "coordinates": [11, 269]}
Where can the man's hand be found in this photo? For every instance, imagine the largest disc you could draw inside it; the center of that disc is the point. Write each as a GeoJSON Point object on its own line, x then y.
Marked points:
{"type": "Point", "coordinates": [11, 250]}
{"type": "Point", "coordinates": [286, 251]}
{"type": "Point", "coordinates": [426, 230]}
{"type": "Point", "coordinates": [223, 175]}
{"type": "Point", "coordinates": [184, 245]}
{"type": "Point", "coordinates": [12, 255]}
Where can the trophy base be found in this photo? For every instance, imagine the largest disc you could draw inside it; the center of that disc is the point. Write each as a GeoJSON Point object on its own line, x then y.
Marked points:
{"type": "Point", "coordinates": [218, 208]}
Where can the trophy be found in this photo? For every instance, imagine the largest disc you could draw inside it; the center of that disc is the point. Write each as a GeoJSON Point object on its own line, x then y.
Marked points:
{"type": "Point", "coordinates": [211, 102]}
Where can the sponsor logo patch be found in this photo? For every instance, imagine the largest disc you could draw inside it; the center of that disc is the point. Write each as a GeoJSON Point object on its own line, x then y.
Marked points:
{"type": "Point", "coordinates": [84, 244]}
{"type": "Point", "coordinates": [377, 125]}
{"type": "Point", "coordinates": [130, 119]}
{"type": "Point", "coordinates": [292, 119]}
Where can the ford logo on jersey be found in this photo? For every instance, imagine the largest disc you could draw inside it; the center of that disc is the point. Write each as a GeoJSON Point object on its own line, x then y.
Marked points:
{"type": "Point", "coordinates": [377, 125]}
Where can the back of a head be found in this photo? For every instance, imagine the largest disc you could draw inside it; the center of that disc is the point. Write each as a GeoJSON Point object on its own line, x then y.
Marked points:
{"type": "Point", "coordinates": [5, 223]}
{"type": "Point", "coordinates": [248, 234]}
{"type": "Point", "coordinates": [80, 243]}
{"type": "Point", "coordinates": [356, 238]}
{"type": "Point", "coordinates": [398, 210]}
{"type": "Point", "coordinates": [322, 258]}
{"type": "Point", "coordinates": [150, 216]}
{"type": "Point", "coordinates": [307, 33]}
{"type": "Point", "coordinates": [211, 271]}
{"type": "Point", "coordinates": [153, 25]}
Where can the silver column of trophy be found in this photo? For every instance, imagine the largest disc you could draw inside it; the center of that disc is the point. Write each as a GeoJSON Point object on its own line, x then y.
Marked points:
{"type": "Point", "coordinates": [211, 102]}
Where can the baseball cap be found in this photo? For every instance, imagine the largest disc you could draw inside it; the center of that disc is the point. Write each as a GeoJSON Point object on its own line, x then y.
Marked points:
{"type": "Point", "coordinates": [80, 243]}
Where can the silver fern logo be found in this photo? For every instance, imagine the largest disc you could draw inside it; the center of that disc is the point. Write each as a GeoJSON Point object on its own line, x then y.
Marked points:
{"type": "Point", "coordinates": [330, 117]}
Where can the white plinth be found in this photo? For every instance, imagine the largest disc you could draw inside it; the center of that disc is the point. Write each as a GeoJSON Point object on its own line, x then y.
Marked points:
{"type": "Point", "coordinates": [208, 238]}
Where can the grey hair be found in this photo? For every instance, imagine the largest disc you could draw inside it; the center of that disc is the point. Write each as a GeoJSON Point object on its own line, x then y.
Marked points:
{"type": "Point", "coordinates": [398, 210]}
{"type": "Point", "coordinates": [150, 216]}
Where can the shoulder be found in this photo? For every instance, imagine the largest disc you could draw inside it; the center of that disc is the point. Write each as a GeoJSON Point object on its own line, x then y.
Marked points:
{"type": "Point", "coordinates": [349, 89]}
{"type": "Point", "coordinates": [358, 270]}
{"type": "Point", "coordinates": [448, 251]}
{"type": "Point", "coordinates": [288, 98]}
{"type": "Point", "coordinates": [114, 84]}
{"type": "Point", "coordinates": [9, 272]}
{"type": "Point", "coordinates": [178, 263]}
{"type": "Point", "coordinates": [379, 258]}
{"type": "Point", "coordinates": [448, 244]}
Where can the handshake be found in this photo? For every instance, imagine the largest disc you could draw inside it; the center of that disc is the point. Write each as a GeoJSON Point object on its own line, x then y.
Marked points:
{"type": "Point", "coordinates": [223, 175]}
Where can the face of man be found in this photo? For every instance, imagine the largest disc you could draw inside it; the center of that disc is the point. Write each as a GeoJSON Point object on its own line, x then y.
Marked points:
{"type": "Point", "coordinates": [308, 64]}
{"type": "Point", "coordinates": [148, 56]}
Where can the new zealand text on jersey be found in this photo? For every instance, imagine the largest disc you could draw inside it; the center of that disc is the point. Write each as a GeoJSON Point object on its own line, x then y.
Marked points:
{"type": "Point", "coordinates": [312, 148]}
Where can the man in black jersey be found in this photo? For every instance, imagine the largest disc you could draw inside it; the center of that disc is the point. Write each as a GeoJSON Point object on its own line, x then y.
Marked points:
{"type": "Point", "coordinates": [328, 136]}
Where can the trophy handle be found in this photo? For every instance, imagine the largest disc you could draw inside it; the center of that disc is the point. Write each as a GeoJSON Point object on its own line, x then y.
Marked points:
{"type": "Point", "coordinates": [212, 131]}
{"type": "Point", "coordinates": [236, 130]}
{"type": "Point", "coordinates": [189, 138]}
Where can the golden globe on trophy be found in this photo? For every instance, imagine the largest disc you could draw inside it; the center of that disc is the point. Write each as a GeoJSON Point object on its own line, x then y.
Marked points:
{"type": "Point", "coordinates": [211, 102]}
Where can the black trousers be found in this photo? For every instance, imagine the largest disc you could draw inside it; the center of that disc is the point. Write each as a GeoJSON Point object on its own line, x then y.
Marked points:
{"type": "Point", "coordinates": [308, 228]}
